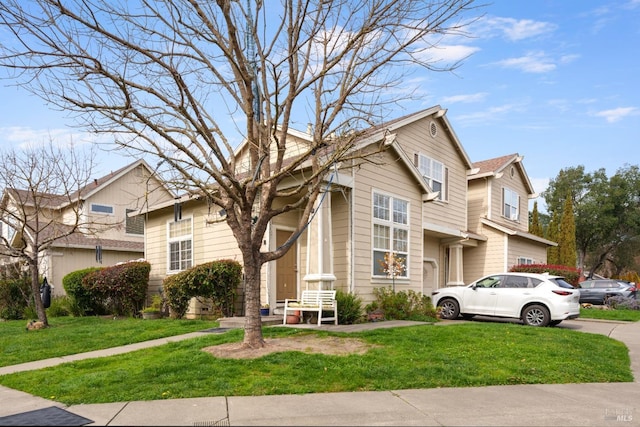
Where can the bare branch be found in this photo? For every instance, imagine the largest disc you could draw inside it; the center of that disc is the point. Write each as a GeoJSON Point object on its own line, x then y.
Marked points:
{"type": "Point", "coordinates": [215, 90]}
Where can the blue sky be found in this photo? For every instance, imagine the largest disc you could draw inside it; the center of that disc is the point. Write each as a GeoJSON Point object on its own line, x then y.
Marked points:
{"type": "Point", "coordinates": [555, 81]}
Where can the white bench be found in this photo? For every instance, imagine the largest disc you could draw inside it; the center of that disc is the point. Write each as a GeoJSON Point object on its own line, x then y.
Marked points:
{"type": "Point", "coordinates": [317, 301]}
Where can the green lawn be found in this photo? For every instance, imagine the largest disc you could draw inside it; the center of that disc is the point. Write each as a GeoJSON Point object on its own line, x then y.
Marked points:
{"type": "Point", "coordinates": [621, 315]}
{"type": "Point", "coordinates": [467, 354]}
{"type": "Point", "coordinates": [72, 335]}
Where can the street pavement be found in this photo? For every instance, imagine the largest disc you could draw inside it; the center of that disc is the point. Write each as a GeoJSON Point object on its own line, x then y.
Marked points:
{"type": "Point", "coordinates": [591, 404]}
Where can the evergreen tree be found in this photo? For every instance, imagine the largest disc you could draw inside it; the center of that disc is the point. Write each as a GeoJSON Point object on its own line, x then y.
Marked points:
{"type": "Point", "coordinates": [552, 234]}
{"type": "Point", "coordinates": [535, 227]}
{"type": "Point", "coordinates": [567, 254]}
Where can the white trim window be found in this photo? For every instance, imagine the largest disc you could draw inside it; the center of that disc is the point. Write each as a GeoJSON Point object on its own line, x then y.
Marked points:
{"type": "Point", "coordinates": [511, 204]}
{"type": "Point", "coordinates": [390, 231]}
{"type": "Point", "coordinates": [180, 243]}
{"type": "Point", "coordinates": [435, 173]}
{"type": "Point", "coordinates": [101, 209]}
{"type": "Point", "coordinates": [524, 261]}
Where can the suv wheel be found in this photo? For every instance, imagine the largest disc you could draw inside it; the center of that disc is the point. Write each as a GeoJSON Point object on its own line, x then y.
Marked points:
{"type": "Point", "coordinates": [450, 309]}
{"type": "Point", "coordinates": [536, 315]}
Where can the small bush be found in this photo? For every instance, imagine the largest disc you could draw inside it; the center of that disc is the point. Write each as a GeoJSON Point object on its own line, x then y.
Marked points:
{"type": "Point", "coordinates": [571, 274]}
{"type": "Point", "coordinates": [60, 306]}
{"type": "Point", "coordinates": [349, 308]}
{"type": "Point", "coordinates": [217, 280]}
{"type": "Point", "coordinates": [623, 303]}
{"type": "Point", "coordinates": [403, 305]}
{"type": "Point", "coordinates": [83, 301]}
{"type": "Point", "coordinates": [15, 295]}
{"type": "Point", "coordinates": [122, 288]}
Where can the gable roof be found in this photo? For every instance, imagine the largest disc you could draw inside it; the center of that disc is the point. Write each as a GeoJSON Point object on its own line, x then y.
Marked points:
{"type": "Point", "coordinates": [496, 166]}
{"type": "Point", "coordinates": [59, 201]}
{"type": "Point", "coordinates": [77, 239]}
{"type": "Point", "coordinates": [438, 113]}
{"type": "Point", "coordinates": [514, 232]}
{"type": "Point", "coordinates": [383, 132]}
{"type": "Point", "coordinates": [100, 183]}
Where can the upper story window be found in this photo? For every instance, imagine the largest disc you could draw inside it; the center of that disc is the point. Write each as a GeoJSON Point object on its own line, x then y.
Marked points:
{"type": "Point", "coordinates": [435, 173]}
{"type": "Point", "coordinates": [134, 224]}
{"type": "Point", "coordinates": [524, 260]}
{"type": "Point", "coordinates": [180, 241]}
{"type": "Point", "coordinates": [390, 232]}
{"type": "Point", "coordinates": [102, 209]}
{"type": "Point", "coordinates": [510, 203]}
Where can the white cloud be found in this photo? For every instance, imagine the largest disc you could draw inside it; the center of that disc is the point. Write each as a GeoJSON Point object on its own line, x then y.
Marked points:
{"type": "Point", "coordinates": [566, 59]}
{"type": "Point", "coordinates": [447, 53]}
{"type": "Point", "coordinates": [515, 29]}
{"type": "Point", "coordinates": [539, 184]}
{"type": "Point", "coordinates": [466, 99]}
{"type": "Point", "coordinates": [533, 62]}
{"type": "Point", "coordinates": [562, 105]}
{"type": "Point", "coordinates": [25, 136]}
{"type": "Point", "coordinates": [632, 4]}
{"type": "Point", "coordinates": [617, 114]}
{"type": "Point", "coordinates": [489, 115]}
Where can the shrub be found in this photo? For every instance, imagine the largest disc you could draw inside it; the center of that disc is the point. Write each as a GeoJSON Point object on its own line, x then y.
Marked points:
{"type": "Point", "coordinates": [571, 274]}
{"type": "Point", "coordinates": [623, 303]}
{"type": "Point", "coordinates": [60, 306]}
{"type": "Point", "coordinates": [122, 288]}
{"type": "Point", "coordinates": [15, 295]}
{"type": "Point", "coordinates": [403, 305]}
{"type": "Point", "coordinates": [217, 280]}
{"type": "Point", "coordinates": [82, 300]}
{"type": "Point", "coordinates": [349, 308]}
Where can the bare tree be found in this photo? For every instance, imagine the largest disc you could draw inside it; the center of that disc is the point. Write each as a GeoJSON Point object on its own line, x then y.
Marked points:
{"type": "Point", "coordinates": [40, 205]}
{"type": "Point", "coordinates": [170, 76]}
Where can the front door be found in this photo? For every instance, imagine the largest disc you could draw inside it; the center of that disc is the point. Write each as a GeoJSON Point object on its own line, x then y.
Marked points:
{"type": "Point", "coordinates": [286, 269]}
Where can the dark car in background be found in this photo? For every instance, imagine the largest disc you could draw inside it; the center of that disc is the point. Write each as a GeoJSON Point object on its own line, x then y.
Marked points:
{"type": "Point", "coordinates": [597, 291]}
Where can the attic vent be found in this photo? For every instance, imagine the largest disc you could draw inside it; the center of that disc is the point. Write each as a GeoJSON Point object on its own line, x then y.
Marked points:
{"type": "Point", "coordinates": [433, 129]}
{"type": "Point", "coordinates": [513, 171]}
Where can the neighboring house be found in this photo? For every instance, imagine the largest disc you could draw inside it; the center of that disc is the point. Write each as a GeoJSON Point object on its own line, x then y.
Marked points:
{"type": "Point", "coordinates": [106, 201]}
{"type": "Point", "coordinates": [413, 200]}
{"type": "Point", "coordinates": [499, 193]}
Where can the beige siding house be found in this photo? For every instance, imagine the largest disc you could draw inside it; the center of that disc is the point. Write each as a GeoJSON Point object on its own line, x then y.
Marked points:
{"type": "Point", "coordinates": [414, 201]}
{"type": "Point", "coordinates": [499, 193]}
{"type": "Point", "coordinates": [109, 233]}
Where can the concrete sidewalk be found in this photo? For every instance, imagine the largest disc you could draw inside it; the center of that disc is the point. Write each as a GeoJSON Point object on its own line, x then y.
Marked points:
{"type": "Point", "coordinates": [593, 404]}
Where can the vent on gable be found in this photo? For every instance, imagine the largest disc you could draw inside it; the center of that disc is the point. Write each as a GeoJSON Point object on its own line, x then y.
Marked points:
{"type": "Point", "coordinates": [433, 129]}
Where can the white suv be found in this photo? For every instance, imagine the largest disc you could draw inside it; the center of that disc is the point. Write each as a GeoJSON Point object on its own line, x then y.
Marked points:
{"type": "Point", "coordinates": [536, 299]}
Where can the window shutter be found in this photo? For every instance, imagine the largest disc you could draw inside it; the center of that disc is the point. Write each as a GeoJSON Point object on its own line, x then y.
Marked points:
{"type": "Point", "coordinates": [504, 203]}
{"type": "Point", "coordinates": [446, 184]}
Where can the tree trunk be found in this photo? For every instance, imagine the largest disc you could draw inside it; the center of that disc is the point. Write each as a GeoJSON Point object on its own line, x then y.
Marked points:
{"type": "Point", "coordinates": [35, 289]}
{"type": "Point", "coordinates": [253, 321]}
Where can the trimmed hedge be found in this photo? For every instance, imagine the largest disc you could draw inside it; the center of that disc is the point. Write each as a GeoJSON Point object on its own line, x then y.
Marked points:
{"type": "Point", "coordinates": [82, 298]}
{"type": "Point", "coordinates": [217, 280]}
{"type": "Point", "coordinates": [121, 288]}
{"type": "Point", "coordinates": [571, 274]}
